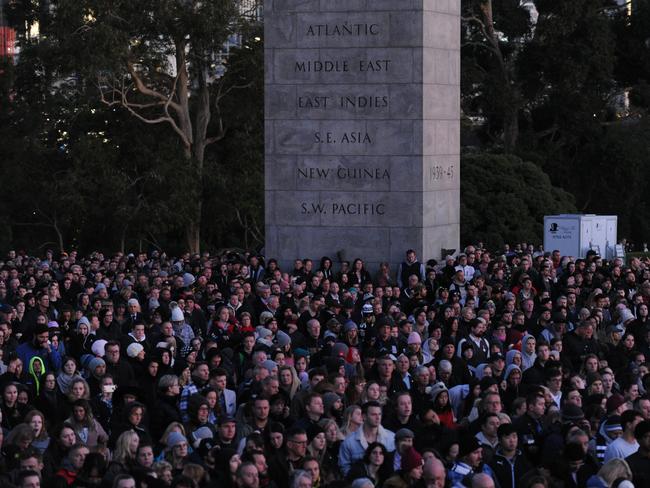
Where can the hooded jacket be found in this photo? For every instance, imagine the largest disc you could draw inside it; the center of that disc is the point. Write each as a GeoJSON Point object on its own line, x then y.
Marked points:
{"type": "Point", "coordinates": [527, 360]}
{"type": "Point", "coordinates": [35, 378]}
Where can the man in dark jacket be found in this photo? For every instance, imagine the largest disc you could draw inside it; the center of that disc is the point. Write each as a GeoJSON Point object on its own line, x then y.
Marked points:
{"type": "Point", "coordinates": [529, 427]}
{"type": "Point", "coordinates": [640, 461]}
{"type": "Point", "coordinates": [509, 464]}
{"type": "Point", "coordinates": [579, 343]}
{"type": "Point", "coordinates": [121, 371]}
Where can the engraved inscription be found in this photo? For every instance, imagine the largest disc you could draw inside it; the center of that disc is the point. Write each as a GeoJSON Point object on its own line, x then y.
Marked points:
{"type": "Point", "coordinates": [342, 138]}
{"type": "Point", "coordinates": [342, 208]}
{"type": "Point", "coordinates": [440, 173]}
{"type": "Point", "coordinates": [341, 30]}
{"type": "Point", "coordinates": [343, 173]}
{"type": "Point", "coordinates": [341, 66]}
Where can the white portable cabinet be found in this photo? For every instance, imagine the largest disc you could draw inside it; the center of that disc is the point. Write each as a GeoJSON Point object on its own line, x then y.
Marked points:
{"type": "Point", "coordinates": [575, 234]}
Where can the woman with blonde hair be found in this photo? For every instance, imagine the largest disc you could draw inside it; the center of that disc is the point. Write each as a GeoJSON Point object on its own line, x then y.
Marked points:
{"type": "Point", "coordinates": [289, 381]}
{"type": "Point", "coordinates": [352, 420]}
{"type": "Point", "coordinates": [79, 389]}
{"type": "Point", "coordinates": [124, 454]}
{"type": "Point", "coordinates": [372, 392]}
{"type": "Point", "coordinates": [333, 440]}
{"type": "Point", "coordinates": [613, 470]}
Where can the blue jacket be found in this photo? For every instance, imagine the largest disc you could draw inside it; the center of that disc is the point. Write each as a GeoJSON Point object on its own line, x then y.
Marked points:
{"type": "Point", "coordinates": [354, 446]}
{"type": "Point", "coordinates": [52, 359]}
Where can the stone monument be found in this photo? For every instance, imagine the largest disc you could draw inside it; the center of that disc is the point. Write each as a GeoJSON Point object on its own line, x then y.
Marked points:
{"type": "Point", "coordinates": [362, 131]}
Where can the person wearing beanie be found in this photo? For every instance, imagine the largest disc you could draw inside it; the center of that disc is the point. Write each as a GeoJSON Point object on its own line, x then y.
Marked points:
{"type": "Point", "coordinates": [181, 328]}
{"type": "Point", "coordinates": [410, 471]}
{"type": "Point", "coordinates": [610, 430]}
{"type": "Point", "coordinates": [136, 358]}
{"type": "Point", "coordinates": [178, 450]}
{"type": "Point", "coordinates": [626, 444]}
{"type": "Point", "coordinates": [509, 464]}
{"type": "Point", "coordinates": [469, 460]}
{"type": "Point", "coordinates": [403, 442]}
{"type": "Point", "coordinates": [414, 345]}
{"type": "Point", "coordinates": [639, 462]}
{"type": "Point", "coordinates": [96, 368]}
{"type": "Point", "coordinates": [134, 350]}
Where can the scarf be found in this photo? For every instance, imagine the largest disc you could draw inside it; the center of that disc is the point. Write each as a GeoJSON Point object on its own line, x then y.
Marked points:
{"type": "Point", "coordinates": [65, 380]}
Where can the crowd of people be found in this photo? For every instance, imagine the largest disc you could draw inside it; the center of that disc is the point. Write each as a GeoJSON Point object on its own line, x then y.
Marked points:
{"type": "Point", "coordinates": [511, 369]}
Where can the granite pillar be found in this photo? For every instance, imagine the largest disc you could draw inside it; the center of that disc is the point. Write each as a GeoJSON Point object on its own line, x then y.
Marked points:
{"type": "Point", "coordinates": [362, 108]}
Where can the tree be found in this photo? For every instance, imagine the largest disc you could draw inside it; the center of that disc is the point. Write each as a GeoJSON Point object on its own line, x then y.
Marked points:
{"type": "Point", "coordinates": [632, 67]}
{"type": "Point", "coordinates": [493, 35]}
{"type": "Point", "coordinates": [504, 199]}
{"type": "Point", "coordinates": [567, 76]}
{"type": "Point", "coordinates": [157, 59]}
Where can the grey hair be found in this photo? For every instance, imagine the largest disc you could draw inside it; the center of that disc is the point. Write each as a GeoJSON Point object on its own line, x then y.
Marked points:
{"type": "Point", "coordinates": [166, 381]}
{"type": "Point", "coordinates": [297, 476]}
{"type": "Point", "coordinates": [445, 366]}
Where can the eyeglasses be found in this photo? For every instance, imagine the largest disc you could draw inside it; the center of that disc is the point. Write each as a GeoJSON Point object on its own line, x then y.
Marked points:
{"type": "Point", "coordinates": [300, 443]}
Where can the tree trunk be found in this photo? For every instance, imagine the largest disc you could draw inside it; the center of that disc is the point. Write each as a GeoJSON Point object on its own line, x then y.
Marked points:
{"type": "Point", "coordinates": [193, 232]}
{"type": "Point", "coordinates": [59, 236]}
{"type": "Point", "coordinates": [510, 129]}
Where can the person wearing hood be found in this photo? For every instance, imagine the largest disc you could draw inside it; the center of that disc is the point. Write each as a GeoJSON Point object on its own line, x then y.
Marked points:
{"type": "Point", "coordinates": [513, 390]}
{"type": "Point", "coordinates": [429, 349]}
{"type": "Point", "coordinates": [181, 328]}
{"type": "Point", "coordinates": [96, 370]}
{"type": "Point", "coordinates": [132, 419]}
{"type": "Point", "coordinates": [199, 418]}
{"type": "Point", "coordinates": [109, 329]}
{"type": "Point", "coordinates": [610, 430]}
{"type": "Point", "coordinates": [528, 355]}
{"type": "Point", "coordinates": [460, 372]}
{"type": "Point", "coordinates": [36, 376]}
{"type": "Point", "coordinates": [81, 339]}
{"type": "Point", "coordinates": [442, 406]}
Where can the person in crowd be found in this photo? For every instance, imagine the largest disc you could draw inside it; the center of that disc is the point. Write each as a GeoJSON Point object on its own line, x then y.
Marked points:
{"type": "Point", "coordinates": [509, 369]}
